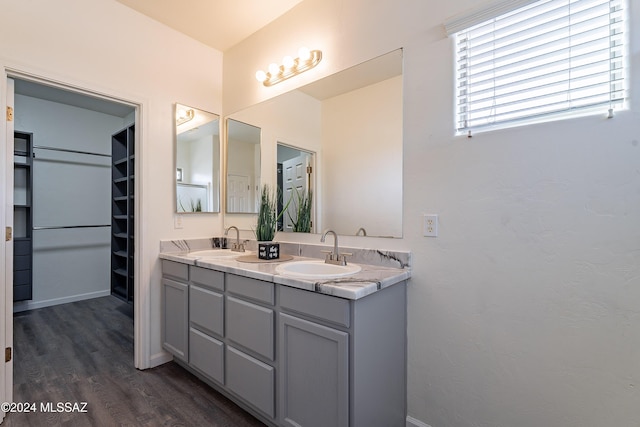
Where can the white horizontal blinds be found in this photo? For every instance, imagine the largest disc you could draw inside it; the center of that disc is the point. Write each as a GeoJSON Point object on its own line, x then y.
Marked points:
{"type": "Point", "coordinates": [547, 58]}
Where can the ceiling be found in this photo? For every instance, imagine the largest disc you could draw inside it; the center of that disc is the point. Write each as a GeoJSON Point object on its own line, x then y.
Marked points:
{"type": "Point", "coordinates": [217, 23]}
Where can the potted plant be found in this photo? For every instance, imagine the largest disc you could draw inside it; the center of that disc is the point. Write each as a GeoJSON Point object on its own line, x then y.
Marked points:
{"type": "Point", "coordinates": [268, 217]}
{"type": "Point", "coordinates": [302, 221]}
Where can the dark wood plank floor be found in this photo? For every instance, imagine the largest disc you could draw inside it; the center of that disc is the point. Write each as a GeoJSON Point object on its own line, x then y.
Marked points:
{"type": "Point", "coordinates": [83, 352]}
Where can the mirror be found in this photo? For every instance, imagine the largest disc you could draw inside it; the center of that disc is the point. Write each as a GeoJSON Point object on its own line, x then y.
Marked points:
{"type": "Point", "coordinates": [197, 160]}
{"type": "Point", "coordinates": [243, 167]}
{"type": "Point", "coordinates": [351, 124]}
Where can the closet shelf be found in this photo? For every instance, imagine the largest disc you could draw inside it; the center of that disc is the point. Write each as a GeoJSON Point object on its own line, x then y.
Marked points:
{"type": "Point", "coordinates": [23, 218]}
{"type": "Point", "coordinates": [122, 149]}
{"type": "Point", "coordinates": [122, 254]}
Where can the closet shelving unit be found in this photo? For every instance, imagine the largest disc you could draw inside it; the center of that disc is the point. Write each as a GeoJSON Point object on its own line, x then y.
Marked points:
{"type": "Point", "coordinates": [23, 216]}
{"type": "Point", "coordinates": [122, 213]}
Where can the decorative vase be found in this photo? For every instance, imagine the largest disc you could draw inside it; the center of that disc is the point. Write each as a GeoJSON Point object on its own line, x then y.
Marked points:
{"type": "Point", "coordinates": [268, 250]}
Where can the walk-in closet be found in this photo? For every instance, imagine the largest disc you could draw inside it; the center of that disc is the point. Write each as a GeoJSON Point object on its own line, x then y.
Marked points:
{"type": "Point", "coordinates": [74, 162]}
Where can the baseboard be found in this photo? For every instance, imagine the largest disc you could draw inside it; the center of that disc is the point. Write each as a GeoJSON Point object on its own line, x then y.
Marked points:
{"type": "Point", "coordinates": [412, 422]}
{"type": "Point", "coordinates": [32, 305]}
{"type": "Point", "coordinates": [160, 359]}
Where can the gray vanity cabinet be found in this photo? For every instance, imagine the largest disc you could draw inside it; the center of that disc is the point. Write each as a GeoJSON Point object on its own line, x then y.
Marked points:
{"type": "Point", "coordinates": [250, 333]}
{"type": "Point", "coordinates": [342, 362]}
{"type": "Point", "coordinates": [175, 307]}
{"type": "Point", "coordinates": [206, 301]}
{"type": "Point", "coordinates": [289, 356]}
{"type": "Point", "coordinates": [252, 380]}
{"type": "Point", "coordinates": [206, 322]}
{"type": "Point", "coordinates": [314, 374]}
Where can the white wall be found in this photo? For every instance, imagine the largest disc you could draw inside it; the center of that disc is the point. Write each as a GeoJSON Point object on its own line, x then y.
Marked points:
{"type": "Point", "coordinates": [362, 142]}
{"type": "Point", "coordinates": [69, 189]}
{"type": "Point", "coordinates": [524, 311]}
{"type": "Point", "coordinates": [108, 48]}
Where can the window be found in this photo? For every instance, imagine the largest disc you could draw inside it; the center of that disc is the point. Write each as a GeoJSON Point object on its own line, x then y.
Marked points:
{"type": "Point", "coordinates": [548, 59]}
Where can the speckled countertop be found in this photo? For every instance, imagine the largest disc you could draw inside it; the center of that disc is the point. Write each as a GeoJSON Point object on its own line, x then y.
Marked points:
{"type": "Point", "coordinates": [380, 269]}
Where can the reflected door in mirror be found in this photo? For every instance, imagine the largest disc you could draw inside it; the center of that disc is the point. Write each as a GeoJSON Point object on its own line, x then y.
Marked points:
{"type": "Point", "coordinates": [243, 167]}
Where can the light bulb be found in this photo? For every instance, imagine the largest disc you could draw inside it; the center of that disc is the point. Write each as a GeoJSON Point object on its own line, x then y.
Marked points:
{"type": "Point", "coordinates": [261, 76]}
{"type": "Point", "coordinates": [287, 61]}
{"type": "Point", "coordinates": [304, 54]}
{"type": "Point", "coordinates": [274, 69]}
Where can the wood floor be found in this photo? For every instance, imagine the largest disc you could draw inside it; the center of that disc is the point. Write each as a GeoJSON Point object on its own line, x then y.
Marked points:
{"type": "Point", "coordinates": [83, 352]}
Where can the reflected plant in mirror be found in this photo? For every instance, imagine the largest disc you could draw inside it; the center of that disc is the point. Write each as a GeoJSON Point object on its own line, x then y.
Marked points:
{"type": "Point", "coordinates": [197, 160]}
{"type": "Point", "coordinates": [350, 126]}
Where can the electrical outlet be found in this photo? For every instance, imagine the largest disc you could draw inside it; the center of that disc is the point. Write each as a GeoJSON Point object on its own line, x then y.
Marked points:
{"type": "Point", "coordinates": [430, 228]}
{"type": "Point", "coordinates": [177, 221]}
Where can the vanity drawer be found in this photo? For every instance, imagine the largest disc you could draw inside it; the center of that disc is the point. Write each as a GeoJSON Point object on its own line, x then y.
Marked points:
{"type": "Point", "coordinates": [206, 354]}
{"type": "Point", "coordinates": [175, 269]}
{"type": "Point", "coordinates": [251, 379]}
{"type": "Point", "coordinates": [258, 290]}
{"type": "Point", "coordinates": [206, 310]}
{"type": "Point", "coordinates": [208, 278]}
{"type": "Point", "coordinates": [325, 307]}
{"type": "Point", "coordinates": [250, 325]}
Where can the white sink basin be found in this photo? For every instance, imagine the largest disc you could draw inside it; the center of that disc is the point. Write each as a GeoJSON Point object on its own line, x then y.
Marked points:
{"type": "Point", "coordinates": [216, 254]}
{"type": "Point", "coordinates": [316, 270]}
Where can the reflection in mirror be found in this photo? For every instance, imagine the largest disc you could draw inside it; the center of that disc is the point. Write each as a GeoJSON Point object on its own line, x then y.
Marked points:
{"type": "Point", "coordinates": [243, 167]}
{"type": "Point", "coordinates": [295, 183]}
{"type": "Point", "coordinates": [197, 160]}
{"type": "Point", "coordinates": [352, 120]}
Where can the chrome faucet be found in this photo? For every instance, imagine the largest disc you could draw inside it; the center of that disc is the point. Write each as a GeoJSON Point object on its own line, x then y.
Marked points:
{"type": "Point", "coordinates": [237, 246]}
{"type": "Point", "coordinates": [361, 230]}
{"type": "Point", "coordinates": [334, 257]}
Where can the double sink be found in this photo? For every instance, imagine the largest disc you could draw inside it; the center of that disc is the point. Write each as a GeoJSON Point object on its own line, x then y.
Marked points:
{"type": "Point", "coordinates": [304, 269]}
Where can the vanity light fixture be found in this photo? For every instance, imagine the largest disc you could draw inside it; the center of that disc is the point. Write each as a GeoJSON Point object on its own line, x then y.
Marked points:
{"type": "Point", "coordinates": [183, 116]}
{"type": "Point", "coordinates": [306, 60]}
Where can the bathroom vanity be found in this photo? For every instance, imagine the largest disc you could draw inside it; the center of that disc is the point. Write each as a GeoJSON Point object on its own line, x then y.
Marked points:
{"type": "Point", "coordinates": [293, 352]}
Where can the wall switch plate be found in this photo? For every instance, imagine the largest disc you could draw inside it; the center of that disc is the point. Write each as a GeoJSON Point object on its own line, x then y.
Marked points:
{"type": "Point", "coordinates": [430, 228]}
{"type": "Point", "coordinates": [177, 221]}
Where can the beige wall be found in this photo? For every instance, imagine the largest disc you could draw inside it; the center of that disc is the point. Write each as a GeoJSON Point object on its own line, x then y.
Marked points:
{"type": "Point", "coordinates": [524, 311]}
{"type": "Point", "coordinates": [104, 46]}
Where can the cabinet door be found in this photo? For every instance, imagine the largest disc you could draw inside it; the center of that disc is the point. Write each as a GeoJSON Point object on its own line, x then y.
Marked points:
{"type": "Point", "coordinates": [314, 374]}
{"type": "Point", "coordinates": [206, 310]}
{"type": "Point", "coordinates": [251, 326]}
{"type": "Point", "coordinates": [206, 354]}
{"type": "Point", "coordinates": [175, 318]}
{"type": "Point", "coordinates": [251, 379]}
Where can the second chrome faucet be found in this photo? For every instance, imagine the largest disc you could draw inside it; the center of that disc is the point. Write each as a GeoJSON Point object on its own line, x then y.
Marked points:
{"type": "Point", "coordinates": [237, 246]}
{"type": "Point", "coordinates": [334, 257]}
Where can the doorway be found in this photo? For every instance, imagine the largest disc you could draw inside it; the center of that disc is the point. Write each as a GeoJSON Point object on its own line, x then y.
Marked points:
{"type": "Point", "coordinates": [71, 214]}
{"type": "Point", "coordinates": [295, 183]}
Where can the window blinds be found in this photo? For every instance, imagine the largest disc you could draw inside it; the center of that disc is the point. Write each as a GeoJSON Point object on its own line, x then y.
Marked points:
{"type": "Point", "coordinates": [541, 60]}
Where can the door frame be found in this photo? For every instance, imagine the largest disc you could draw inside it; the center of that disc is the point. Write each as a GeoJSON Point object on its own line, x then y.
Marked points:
{"type": "Point", "coordinates": [6, 249]}
{"type": "Point", "coordinates": [141, 304]}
